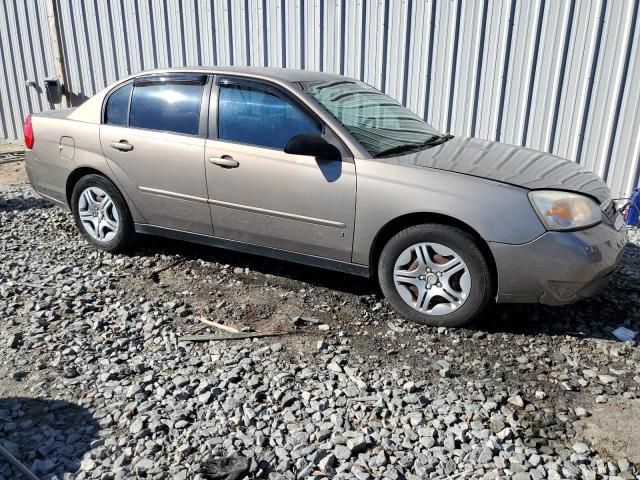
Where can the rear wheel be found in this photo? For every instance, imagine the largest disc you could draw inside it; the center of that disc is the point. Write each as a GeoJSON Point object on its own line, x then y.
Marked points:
{"type": "Point", "coordinates": [101, 213]}
{"type": "Point", "coordinates": [435, 274]}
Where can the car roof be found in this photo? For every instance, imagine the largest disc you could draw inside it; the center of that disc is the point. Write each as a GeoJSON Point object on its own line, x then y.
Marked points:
{"type": "Point", "coordinates": [281, 74]}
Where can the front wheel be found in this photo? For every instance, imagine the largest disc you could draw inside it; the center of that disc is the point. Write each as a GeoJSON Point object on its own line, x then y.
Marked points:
{"type": "Point", "coordinates": [101, 214]}
{"type": "Point", "coordinates": [435, 275]}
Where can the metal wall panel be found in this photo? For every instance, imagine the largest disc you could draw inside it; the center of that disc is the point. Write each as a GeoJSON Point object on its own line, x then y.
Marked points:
{"type": "Point", "coordinates": [557, 76]}
{"type": "Point", "coordinates": [25, 54]}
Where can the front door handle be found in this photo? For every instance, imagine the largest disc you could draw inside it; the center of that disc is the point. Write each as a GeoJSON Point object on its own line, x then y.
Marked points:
{"type": "Point", "coordinates": [122, 145]}
{"type": "Point", "coordinates": [224, 162]}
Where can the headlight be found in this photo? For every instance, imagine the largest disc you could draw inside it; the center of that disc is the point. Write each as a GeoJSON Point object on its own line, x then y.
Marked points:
{"type": "Point", "coordinates": [564, 210]}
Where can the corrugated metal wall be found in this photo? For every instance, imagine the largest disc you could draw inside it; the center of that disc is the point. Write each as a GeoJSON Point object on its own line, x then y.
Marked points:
{"type": "Point", "coordinates": [562, 76]}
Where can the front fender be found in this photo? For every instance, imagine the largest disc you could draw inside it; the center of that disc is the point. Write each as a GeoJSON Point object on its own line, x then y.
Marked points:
{"type": "Point", "coordinates": [497, 212]}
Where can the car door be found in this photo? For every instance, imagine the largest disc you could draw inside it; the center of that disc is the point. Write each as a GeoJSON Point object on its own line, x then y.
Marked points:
{"type": "Point", "coordinates": [261, 195]}
{"type": "Point", "coordinates": [153, 136]}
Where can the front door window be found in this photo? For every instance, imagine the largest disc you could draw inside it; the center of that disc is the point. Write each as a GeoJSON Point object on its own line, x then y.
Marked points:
{"type": "Point", "coordinates": [257, 117]}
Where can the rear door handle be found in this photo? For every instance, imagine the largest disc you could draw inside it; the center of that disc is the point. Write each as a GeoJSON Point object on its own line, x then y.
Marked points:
{"type": "Point", "coordinates": [225, 162]}
{"type": "Point", "coordinates": [122, 145]}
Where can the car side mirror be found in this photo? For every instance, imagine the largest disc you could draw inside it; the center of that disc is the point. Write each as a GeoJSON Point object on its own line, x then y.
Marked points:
{"type": "Point", "coordinates": [312, 145]}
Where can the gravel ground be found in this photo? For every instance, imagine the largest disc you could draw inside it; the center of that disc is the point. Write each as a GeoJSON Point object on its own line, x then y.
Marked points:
{"type": "Point", "coordinates": [96, 385]}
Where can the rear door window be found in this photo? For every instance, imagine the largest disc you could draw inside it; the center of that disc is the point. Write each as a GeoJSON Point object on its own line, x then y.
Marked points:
{"type": "Point", "coordinates": [170, 106]}
{"type": "Point", "coordinates": [254, 116]}
{"type": "Point", "coordinates": [117, 112]}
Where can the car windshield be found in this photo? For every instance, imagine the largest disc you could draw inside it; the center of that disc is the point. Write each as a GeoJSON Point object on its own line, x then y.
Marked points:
{"type": "Point", "coordinates": [377, 121]}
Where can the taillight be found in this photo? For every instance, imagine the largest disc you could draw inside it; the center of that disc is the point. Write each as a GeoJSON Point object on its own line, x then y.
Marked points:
{"type": "Point", "coordinates": [28, 133]}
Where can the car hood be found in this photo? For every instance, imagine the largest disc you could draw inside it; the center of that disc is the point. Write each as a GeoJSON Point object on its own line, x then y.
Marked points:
{"type": "Point", "coordinates": [510, 164]}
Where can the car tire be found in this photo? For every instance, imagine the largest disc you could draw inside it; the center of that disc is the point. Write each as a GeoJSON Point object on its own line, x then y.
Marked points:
{"type": "Point", "coordinates": [101, 214]}
{"type": "Point", "coordinates": [435, 275]}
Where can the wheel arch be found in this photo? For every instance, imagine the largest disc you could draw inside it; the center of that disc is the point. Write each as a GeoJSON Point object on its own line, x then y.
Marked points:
{"type": "Point", "coordinates": [410, 219]}
{"type": "Point", "coordinates": [83, 171]}
{"type": "Point", "coordinates": [76, 175]}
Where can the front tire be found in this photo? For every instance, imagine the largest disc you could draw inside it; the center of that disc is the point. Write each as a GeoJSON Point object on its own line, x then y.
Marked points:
{"type": "Point", "coordinates": [436, 275]}
{"type": "Point", "coordinates": [101, 214]}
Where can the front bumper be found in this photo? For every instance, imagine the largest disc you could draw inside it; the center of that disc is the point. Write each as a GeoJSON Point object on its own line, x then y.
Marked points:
{"type": "Point", "coordinates": [558, 267]}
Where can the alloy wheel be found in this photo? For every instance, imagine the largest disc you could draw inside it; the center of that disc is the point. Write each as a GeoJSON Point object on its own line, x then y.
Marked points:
{"type": "Point", "coordinates": [432, 278]}
{"type": "Point", "coordinates": [98, 214]}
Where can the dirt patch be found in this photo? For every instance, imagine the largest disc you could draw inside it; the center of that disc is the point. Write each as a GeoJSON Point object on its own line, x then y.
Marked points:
{"type": "Point", "coordinates": [607, 429]}
{"type": "Point", "coordinates": [12, 174]}
{"type": "Point", "coordinates": [235, 295]}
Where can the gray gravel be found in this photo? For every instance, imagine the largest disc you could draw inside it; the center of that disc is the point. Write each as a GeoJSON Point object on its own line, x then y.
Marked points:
{"type": "Point", "coordinates": [96, 385]}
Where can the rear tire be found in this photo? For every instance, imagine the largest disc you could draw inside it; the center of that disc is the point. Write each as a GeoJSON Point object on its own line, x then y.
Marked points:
{"type": "Point", "coordinates": [101, 214]}
{"type": "Point", "coordinates": [435, 275]}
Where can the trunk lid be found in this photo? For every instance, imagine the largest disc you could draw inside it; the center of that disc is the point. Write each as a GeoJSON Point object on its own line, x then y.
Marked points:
{"type": "Point", "coordinates": [62, 113]}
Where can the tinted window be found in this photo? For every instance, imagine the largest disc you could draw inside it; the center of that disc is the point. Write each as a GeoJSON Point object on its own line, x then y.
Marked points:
{"type": "Point", "coordinates": [171, 107]}
{"type": "Point", "coordinates": [118, 106]}
{"type": "Point", "coordinates": [257, 117]}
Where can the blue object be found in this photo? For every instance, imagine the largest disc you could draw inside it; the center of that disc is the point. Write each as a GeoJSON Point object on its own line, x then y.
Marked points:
{"type": "Point", "coordinates": [170, 107]}
{"type": "Point", "coordinates": [633, 216]}
{"type": "Point", "coordinates": [257, 117]}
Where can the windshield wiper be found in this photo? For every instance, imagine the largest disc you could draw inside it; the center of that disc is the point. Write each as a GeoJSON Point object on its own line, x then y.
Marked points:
{"type": "Point", "coordinates": [410, 147]}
